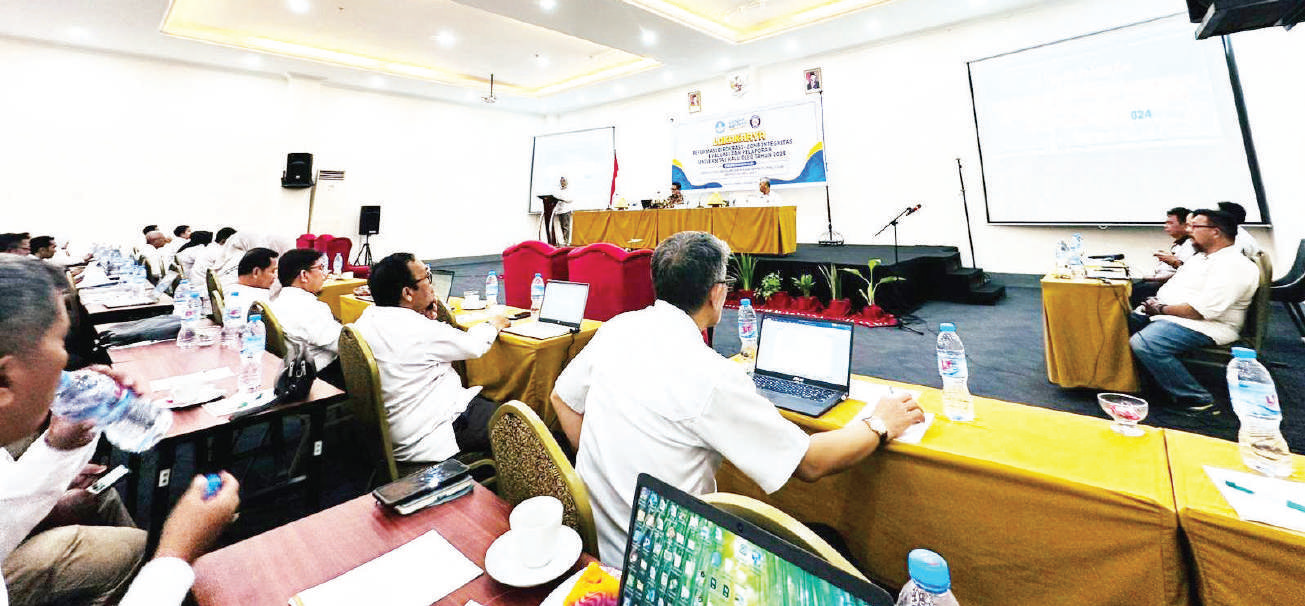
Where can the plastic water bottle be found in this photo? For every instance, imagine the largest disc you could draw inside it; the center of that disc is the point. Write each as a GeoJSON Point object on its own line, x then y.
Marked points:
{"type": "Point", "coordinates": [931, 581]}
{"type": "Point", "coordinates": [536, 293]}
{"type": "Point", "coordinates": [337, 264]}
{"type": "Point", "coordinates": [253, 340]}
{"type": "Point", "coordinates": [1255, 400]}
{"type": "Point", "coordinates": [129, 421]}
{"type": "Point", "coordinates": [958, 405]}
{"type": "Point", "coordinates": [1076, 267]}
{"type": "Point", "coordinates": [179, 298]}
{"type": "Point", "coordinates": [190, 309]}
{"type": "Point", "coordinates": [1062, 259]}
{"type": "Point", "coordinates": [491, 290]}
{"type": "Point", "coordinates": [748, 331]}
{"type": "Point", "coordinates": [234, 321]}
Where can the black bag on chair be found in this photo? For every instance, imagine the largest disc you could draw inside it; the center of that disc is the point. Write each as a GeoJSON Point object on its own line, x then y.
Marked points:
{"type": "Point", "coordinates": [297, 374]}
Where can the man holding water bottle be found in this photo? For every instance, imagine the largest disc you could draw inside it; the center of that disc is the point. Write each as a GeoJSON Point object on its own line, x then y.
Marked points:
{"type": "Point", "coordinates": [49, 558]}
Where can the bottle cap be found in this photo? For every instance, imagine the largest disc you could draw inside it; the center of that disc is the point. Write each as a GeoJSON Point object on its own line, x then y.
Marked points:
{"type": "Point", "coordinates": [947, 327]}
{"type": "Point", "coordinates": [214, 485]}
{"type": "Point", "coordinates": [537, 274]}
{"type": "Point", "coordinates": [745, 302]}
{"type": "Point", "coordinates": [1243, 353]}
{"type": "Point", "coordinates": [929, 571]}
{"type": "Point", "coordinates": [255, 317]}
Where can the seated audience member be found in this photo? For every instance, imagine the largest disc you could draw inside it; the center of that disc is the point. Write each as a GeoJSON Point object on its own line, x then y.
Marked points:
{"type": "Point", "coordinates": [647, 395]}
{"type": "Point", "coordinates": [16, 244]}
{"type": "Point", "coordinates": [180, 236]}
{"type": "Point", "coordinates": [1203, 304]}
{"type": "Point", "coordinates": [307, 321]}
{"type": "Point", "coordinates": [155, 258]}
{"type": "Point", "coordinates": [149, 228]}
{"type": "Point", "coordinates": [257, 273]}
{"type": "Point", "coordinates": [210, 257]}
{"type": "Point", "coordinates": [49, 556]}
{"type": "Point", "coordinates": [432, 416]}
{"type": "Point", "coordinates": [227, 267]}
{"type": "Point", "coordinates": [1244, 242]}
{"type": "Point", "coordinates": [190, 253]}
{"type": "Point", "coordinates": [43, 247]}
{"type": "Point", "coordinates": [1180, 250]}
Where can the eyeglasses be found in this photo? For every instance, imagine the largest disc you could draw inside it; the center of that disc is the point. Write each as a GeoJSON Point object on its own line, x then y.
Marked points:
{"type": "Point", "coordinates": [728, 281]}
{"type": "Point", "coordinates": [319, 267]}
{"type": "Point", "coordinates": [430, 277]}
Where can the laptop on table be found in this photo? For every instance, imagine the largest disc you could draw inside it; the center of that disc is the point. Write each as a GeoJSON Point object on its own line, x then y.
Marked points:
{"type": "Point", "coordinates": [442, 281]}
{"type": "Point", "coordinates": [561, 312]}
{"type": "Point", "coordinates": [803, 365]}
{"type": "Point", "coordinates": [684, 552]}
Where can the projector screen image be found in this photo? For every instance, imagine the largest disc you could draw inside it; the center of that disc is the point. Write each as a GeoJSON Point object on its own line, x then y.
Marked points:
{"type": "Point", "coordinates": [584, 157]}
{"type": "Point", "coordinates": [1109, 128]}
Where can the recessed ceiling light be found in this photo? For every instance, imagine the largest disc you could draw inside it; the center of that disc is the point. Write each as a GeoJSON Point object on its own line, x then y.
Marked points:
{"type": "Point", "coordinates": [548, 5]}
{"type": "Point", "coordinates": [445, 38]}
{"type": "Point", "coordinates": [79, 33]}
{"type": "Point", "coordinates": [299, 7]}
{"type": "Point", "coordinates": [649, 37]}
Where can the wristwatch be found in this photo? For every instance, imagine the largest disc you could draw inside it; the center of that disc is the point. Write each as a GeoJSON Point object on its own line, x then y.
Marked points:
{"type": "Point", "coordinates": [877, 425]}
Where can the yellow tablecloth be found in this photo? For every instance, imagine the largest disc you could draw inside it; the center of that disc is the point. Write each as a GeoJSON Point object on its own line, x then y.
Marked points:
{"type": "Point", "coordinates": [515, 368]}
{"type": "Point", "coordinates": [1085, 328]}
{"type": "Point", "coordinates": [334, 289]}
{"type": "Point", "coordinates": [1236, 562]}
{"type": "Point", "coordinates": [1028, 505]}
{"type": "Point", "coordinates": [748, 229]}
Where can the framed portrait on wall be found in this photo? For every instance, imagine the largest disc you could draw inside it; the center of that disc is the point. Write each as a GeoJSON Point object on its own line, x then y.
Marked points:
{"type": "Point", "coordinates": [695, 101]}
{"type": "Point", "coordinates": [813, 81]}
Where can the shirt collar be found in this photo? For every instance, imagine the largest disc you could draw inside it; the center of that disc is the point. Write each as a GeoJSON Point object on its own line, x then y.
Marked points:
{"type": "Point", "coordinates": [675, 315]}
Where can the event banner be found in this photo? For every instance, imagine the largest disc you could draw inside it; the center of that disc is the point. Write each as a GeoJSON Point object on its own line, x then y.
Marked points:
{"type": "Point", "coordinates": [736, 150]}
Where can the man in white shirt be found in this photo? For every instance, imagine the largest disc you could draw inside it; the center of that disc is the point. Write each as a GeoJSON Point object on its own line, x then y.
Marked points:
{"type": "Point", "coordinates": [307, 321]}
{"type": "Point", "coordinates": [1244, 242]}
{"type": "Point", "coordinates": [181, 236]}
{"type": "Point", "coordinates": [1203, 304]}
{"type": "Point", "coordinates": [562, 215]}
{"type": "Point", "coordinates": [432, 416]}
{"type": "Point", "coordinates": [210, 258]}
{"type": "Point", "coordinates": [765, 197]}
{"type": "Point", "coordinates": [647, 395]}
{"type": "Point", "coordinates": [1166, 262]}
{"type": "Point", "coordinates": [82, 566]}
{"type": "Point", "coordinates": [257, 273]}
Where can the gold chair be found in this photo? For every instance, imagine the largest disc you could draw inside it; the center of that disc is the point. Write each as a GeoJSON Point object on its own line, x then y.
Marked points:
{"type": "Point", "coordinates": [219, 307]}
{"type": "Point", "coordinates": [363, 381]}
{"type": "Point", "coordinates": [781, 525]}
{"type": "Point", "coordinates": [275, 335]}
{"type": "Point", "coordinates": [214, 286]}
{"type": "Point", "coordinates": [530, 464]}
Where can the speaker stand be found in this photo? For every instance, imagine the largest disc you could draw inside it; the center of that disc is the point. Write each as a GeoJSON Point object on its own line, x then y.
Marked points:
{"type": "Point", "coordinates": [364, 252]}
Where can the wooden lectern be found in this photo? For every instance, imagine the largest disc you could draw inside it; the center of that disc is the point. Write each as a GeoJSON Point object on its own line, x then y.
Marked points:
{"type": "Point", "coordinates": [546, 223]}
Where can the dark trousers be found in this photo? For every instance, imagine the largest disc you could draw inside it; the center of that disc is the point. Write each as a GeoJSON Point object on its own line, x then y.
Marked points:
{"type": "Point", "coordinates": [333, 374]}
{"type": "Point", "coordinates": [471, 428]}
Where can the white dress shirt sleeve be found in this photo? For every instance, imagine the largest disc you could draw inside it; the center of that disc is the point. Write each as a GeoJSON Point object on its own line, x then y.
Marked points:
{"type": "Point", "coordinates": [30, 486]}
{"type": "Point", "coordinates": [450, 344]}
{"type": "Point", "coordinates": [749, 431]}
{"type": "Point", "coordinates": [162, 582]}
{"type": "Point", "coordinates": [572, 386]}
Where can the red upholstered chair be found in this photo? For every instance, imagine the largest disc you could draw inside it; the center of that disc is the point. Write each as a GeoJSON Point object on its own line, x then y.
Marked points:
{"type": "Point", "coordinates": [323, 243]}
{"type": "Point", "coordinates": [305, 241]}
{"type": "Point", "coordinates": [344, 246]}
{"type": "Point", "coordinates": [522, 261]}
{"type": "Point", "coordinates": [619, 281]}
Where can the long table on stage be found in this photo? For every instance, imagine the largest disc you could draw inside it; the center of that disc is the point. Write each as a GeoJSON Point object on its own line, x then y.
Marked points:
{"type": "Point", "coordinates": [770, 230]}
{"type": "Point", "coordinates": [1085, 329]}
{"type": "Point", "coordinates": [1028, 505]}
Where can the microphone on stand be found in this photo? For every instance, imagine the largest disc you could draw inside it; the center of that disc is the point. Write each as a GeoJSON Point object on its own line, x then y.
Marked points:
{"type": "Point", "coordinates": [912, 210]}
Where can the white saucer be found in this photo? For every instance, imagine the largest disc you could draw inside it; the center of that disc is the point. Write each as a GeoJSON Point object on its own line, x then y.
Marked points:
{"type": "Point", "coordinates": [502, 566]}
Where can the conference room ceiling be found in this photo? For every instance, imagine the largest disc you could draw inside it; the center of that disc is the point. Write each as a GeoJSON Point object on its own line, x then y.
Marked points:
{"type": "Point", "coordinates": [547, 56]}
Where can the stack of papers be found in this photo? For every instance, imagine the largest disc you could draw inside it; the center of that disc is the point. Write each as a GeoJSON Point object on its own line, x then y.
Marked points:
{"type": "Point", "coordinates": [203, 376]}
{"type": "Point", "coordinates": [1260, 499]}
{"type": "Point", "coordinates": [870, 393]}
{"type": "Point", "coordinates": [402, 577]}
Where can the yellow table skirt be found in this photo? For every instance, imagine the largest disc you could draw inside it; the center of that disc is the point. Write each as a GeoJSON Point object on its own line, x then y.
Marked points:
{"type": "Point", "coordinates": [1085, 329]}
{"type": "Point", "coordinates": [1236, 562]}
{"type": "Point", "coordinates": [1028, 505]}
{"type": "Point", "coordinates": [332, 290]}
{"type": "Point", "coordinates": [516, 367]}
{"type": "Point", "coordinates": [757, 229]}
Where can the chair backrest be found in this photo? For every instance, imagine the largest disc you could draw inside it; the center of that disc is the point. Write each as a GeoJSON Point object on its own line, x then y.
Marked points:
{"type": "Point", "coordinates": [1257, 313]}
{"type": "Point", "coordinates": [323, 243]}
{"type": "Point", "coordinates": [530, 464]}
{"type": "Point", "coordinates": [522, 261]}
{"type": "Point", "coordinates": [781, 525]}
{"type": "Point", "coordinates": [619, 281]}
{"type": "Point", "coordinates": [275, 335]}
{"type": "Point", "coordinates": [341, 245]}
{"type": "Point", "coordinates": [214, 285]}
{"type": "Point", "coordinates": [305, 241]}
{"type": "Point", "coordinates": [1297, 270]}
{"type": "Point", "coordinates": [218, 303]}
{"type": "Point", "coordinates": [363, 380]}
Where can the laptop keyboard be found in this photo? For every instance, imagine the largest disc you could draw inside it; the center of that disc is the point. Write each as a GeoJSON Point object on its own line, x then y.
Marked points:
{"type": "Point", "coordinates": [801, 390]}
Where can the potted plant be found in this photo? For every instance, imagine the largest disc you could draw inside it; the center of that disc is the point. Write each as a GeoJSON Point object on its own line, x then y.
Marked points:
{"type": "Point", "coordinates": [806, 303]}
{"type": "Point", "coordinates": [872, 310]}
{"type": "Point", "coordinates": [839, 306]}
{"type": "Point", "coordinates": [771, 289]}
{"type": "Point", "coordinates": [745, 267]}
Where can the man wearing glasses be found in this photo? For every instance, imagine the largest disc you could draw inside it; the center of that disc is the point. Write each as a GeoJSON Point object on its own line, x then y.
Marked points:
{"type": "Point", "coordinates": [647, 395]}
{"type": "Point", "coordinates": [307, 321]}
{"type": "Point", "coordinates": [1203, 304]}
{"type": "Point", "coordinates": [432, 416]}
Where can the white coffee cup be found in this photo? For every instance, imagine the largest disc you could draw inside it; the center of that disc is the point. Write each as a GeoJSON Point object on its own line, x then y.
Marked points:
{"type": "Point", "coordinates": [535, 524]}
{"type": "Point", "coordinates": [471, 298]}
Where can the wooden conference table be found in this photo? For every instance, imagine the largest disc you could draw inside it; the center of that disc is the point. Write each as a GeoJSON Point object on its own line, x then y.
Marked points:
{"type": "Point", "coordinates": [515, 367]}
{"type": "Point", "coordinates": [769, 230]}
{"type": "Point", "coordinates": [267, 570]}
{"type": "Point", "coordinates": [100, 314]}
{"type": "Point", "coordinates": [1028, 505]}
{"type": "Point", "coordinates": [1085, 328]}
{"type": "Point", "coordinates": [195, 424]}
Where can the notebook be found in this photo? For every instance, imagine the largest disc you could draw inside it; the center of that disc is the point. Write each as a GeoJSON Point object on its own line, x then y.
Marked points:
{"type": "Point", "coordinates": [561, 312]}
{"type": "Point", "coordinates": [803, 365]}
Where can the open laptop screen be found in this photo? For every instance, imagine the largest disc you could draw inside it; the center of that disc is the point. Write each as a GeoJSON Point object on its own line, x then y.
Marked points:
{"type": "Point", "coordinates": [442, 281]}
{"type": "Point", "coordinates": [682, 551]}
{"type": "Point", "coordinates": [564, 302]}
{"type": "Point", "coordinates": [815, 350]}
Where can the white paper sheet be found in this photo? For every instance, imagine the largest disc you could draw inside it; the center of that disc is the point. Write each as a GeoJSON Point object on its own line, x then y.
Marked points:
{"type": "Point", "coordinates": [1267, 503]}
{"type": "Point", "coordinates": [418, 573]}
{"type": "Point", "coordinates": [203, 376]}
{"type": "Point", "coordinates": [870, 393]}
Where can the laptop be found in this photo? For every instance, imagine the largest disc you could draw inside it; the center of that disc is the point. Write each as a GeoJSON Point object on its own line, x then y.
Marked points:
{"type": "Point", "coordinates": [646, 203]}
{"type": "Point", "coordinates": [442, 281]}
{"type": "Point", "coordinates": [682, 551]}
{"type": "Point", "coordinates": [803, 365]}
{"type": "Point", "coordinates": [561, 312]}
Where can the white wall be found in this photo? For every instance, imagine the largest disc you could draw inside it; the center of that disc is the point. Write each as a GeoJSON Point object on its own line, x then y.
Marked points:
{"type": "Point", "coordinates": [97, 145]}
{"type": "Point", "coordinates": [898, 115]}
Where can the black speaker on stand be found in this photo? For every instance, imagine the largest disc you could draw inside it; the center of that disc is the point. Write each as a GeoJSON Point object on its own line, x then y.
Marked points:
{"type": "Point", "coordinates": [369, 224]}
{"type": "Point", "coordinates": [298, 171]}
